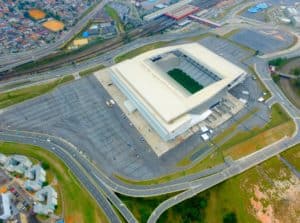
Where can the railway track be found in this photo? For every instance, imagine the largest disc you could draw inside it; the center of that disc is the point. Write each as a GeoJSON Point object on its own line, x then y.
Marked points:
{"type": "Point", "coordinates": [150, 28]}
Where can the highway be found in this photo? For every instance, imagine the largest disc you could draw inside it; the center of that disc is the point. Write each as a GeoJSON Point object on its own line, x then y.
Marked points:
{"type": "Point", "coordinates": [103, 188]}
{"type": "Point", "coordinates": [13, 60]}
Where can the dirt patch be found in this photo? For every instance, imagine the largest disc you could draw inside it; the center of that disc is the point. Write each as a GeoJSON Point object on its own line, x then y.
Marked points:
{"type": "Point", "coordinates": [36, 14]}
{"type": "Point", "coordinates": [259, 141]}
{"type": "Point", "coordinates": [53, 25]}
{"type": "Point", "coordinates": [280, 204]}
{"type": "Point", "coordinates": [74, 219]}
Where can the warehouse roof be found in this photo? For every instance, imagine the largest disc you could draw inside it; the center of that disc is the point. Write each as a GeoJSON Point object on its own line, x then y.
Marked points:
{"type": "Point", "coordinates": [157, 92]}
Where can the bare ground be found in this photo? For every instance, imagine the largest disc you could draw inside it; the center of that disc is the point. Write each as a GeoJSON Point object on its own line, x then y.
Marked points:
{"type": "Point", "coordinates": [280, 204]}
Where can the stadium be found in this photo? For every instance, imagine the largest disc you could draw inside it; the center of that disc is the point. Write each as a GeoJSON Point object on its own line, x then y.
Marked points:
{"type": "Point", "coordinates": [174, 88]}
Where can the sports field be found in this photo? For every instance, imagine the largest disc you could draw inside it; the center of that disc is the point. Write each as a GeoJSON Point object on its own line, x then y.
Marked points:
{"type": "Point", "coordinates": [36, 14]}
{"type": "Point", "coordinates": [54, 25]}
{"type": "Point", "coordinates": [185, 80]}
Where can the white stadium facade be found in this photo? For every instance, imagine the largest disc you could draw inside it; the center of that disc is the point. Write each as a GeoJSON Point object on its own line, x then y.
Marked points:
{"type": "Point", "coordinates": [156, 84]}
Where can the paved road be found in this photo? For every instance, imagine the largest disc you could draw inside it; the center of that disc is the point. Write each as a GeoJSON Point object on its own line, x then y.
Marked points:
{"type": "Point", "coordinates": [92, 182]}
{"type": "Point", "coordinates": [244, 163]}
{"type": "Point", "coordinates": [72, 164]}
{"type": "Point", "coordinates": [106, 59]}
{"type": "Point", "coordinates": [13, 60]}
{"type": "Point", "coordinates": [101, 187]}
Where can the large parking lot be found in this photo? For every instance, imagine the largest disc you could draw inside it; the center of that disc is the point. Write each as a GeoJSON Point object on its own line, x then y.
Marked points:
{"type": "Point", "coordinates": [78, 113]}
{"type": "Point", "coordinates": [226, 49]}
{"type": "Point", "coordinates": [266, 41]}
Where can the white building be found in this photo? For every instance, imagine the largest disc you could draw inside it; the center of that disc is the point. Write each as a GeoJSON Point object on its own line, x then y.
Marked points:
{"type": "Point", "coordinates": [5, 211]}
{"type": "Point", "coordinates": [296, 21]}
{"type": "Point", "coordinates": [47, 201]}
{"type": "Point", "coordinates": [3, 159]}
{"type": "Point", "coordinates": [36, 176]}
{"type": "Point", "coordinates": [168, 106]}
{"type": "Point", "coordinates": [17, 163]}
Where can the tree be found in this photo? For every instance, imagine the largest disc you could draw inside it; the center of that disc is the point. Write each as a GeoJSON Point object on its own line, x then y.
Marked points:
{"type": "Point", "coordinates": [45, 165]}
{"type": "Point", "coordinates": [276, 78]}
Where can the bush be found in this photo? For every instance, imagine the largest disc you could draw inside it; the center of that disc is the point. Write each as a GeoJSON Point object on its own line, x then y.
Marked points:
{"type": "Point", "coordinates": [276, 78]}
{"type": "Point", "coordinates": [230, 218]}
{"type": "Point", "coordinates": [45, 165]}
{"type": "Point", "coordinates": [296, 71]}
{"type": "Point", "coordinates": [297, 83]}
{"type": "Point", "coordinates": [279, 62]}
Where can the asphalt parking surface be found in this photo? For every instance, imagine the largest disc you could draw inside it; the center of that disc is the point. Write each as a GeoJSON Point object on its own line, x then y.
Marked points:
{"type": "Point", "coordinates": [77, 112]}
{"type": "Point", "coordinates": [226, 49]}
{"type": "Point", "coordinates": [266, 41]}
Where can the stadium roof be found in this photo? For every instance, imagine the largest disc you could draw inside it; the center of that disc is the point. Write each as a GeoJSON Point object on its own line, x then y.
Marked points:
{"type": "Point", "coordinates": [160, 96]}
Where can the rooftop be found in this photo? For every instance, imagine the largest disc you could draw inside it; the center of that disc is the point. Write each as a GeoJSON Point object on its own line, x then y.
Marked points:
{"type": "Point", "coordinates": [162, 95]}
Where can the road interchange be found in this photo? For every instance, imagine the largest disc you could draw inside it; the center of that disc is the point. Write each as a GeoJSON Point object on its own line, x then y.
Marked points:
{"type": "Point", "coordinates": [102, 188]}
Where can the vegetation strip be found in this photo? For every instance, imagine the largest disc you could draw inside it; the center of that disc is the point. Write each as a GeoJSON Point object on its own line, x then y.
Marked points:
{"type": "Point", "coordinates": [16, 96]}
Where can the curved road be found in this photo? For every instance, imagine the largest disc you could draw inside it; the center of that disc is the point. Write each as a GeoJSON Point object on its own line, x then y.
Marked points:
{"type": "Point", "coordinates": [247, 162]}
{"type": "Point", "coordinates": [97, 190]}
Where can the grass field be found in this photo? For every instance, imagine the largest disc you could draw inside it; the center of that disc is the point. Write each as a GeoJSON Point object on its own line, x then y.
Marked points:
{"type": "Point", "coordinates": [235, 196]}
{"type": "Point", "coordinates": [185, 80]}
{"type": "Point", "coordinates": [140, 50]}
{"type": "Point", "coordinates": [16, 96]}
{"type": "Point", "coordinates": [77, 205]}
{"type": "Point", "coordinates": [246, 142]}
{"type": "Point", "coordinates": [114, 16]}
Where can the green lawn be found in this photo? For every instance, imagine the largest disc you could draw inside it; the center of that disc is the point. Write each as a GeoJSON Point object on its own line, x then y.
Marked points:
{"type": "Point", "coordinates": [278, 117]}
{"type": "Point", "coordinates": [185, 80]}
{"type": "Point", "coordinates": [140, 50]}
{"type": "Point", "coordinates": [78, 205]}
{"type": "Point", "coordinates": [91, 70]}
{"type": "Point", "coordinates": [114, 15]}
{"type": "Point", "coordinates": [16, 96]}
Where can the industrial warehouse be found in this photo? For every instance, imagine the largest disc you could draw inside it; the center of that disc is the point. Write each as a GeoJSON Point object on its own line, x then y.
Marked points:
{"type": "Point", "coordinates": [174, 88]}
